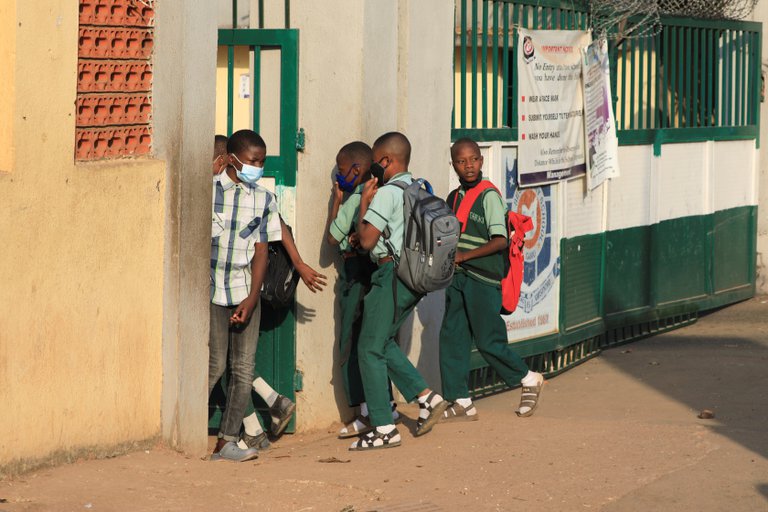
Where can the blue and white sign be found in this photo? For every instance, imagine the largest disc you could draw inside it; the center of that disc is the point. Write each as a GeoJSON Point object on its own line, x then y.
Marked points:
{"type": "Point", "coordinates": [537, 310]}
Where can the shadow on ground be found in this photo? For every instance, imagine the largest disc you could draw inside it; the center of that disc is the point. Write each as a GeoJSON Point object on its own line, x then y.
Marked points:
{"type": "Point", "coordinates": [720, 363]}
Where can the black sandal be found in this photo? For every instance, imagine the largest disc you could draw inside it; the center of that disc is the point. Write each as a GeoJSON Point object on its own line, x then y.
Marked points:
{"type": "Point", "coordinates": [351, 427]}
{"type": "Point", "coordinates": [375, 440]}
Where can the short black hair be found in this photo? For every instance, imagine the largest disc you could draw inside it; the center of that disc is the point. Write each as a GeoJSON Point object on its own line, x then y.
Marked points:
{"type": "Point", "coordinates": [241, 140]}
{"type": "Point", "coordinates": [395, 143]}
{"type": "Point", "coordinates": [464, 141]}
{"type": "Point", "coordinates": [359, 152]}
{"type": "Point", "coordinates": [220, 145]}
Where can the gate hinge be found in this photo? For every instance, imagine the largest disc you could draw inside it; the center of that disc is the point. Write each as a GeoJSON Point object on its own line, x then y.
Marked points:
{"type": "Point", "coordinates": [298, 380]}
{"type": "Point", "coordinates": [300, 140]}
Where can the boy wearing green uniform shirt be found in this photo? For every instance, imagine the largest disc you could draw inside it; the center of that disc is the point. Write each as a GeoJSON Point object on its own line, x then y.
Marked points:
{"type": "Point", "coordinates": [389, 301]}
{"type": "Point", "coordinates": [473, 300]}
{"type": "Point", "coordinates": [353, 163]}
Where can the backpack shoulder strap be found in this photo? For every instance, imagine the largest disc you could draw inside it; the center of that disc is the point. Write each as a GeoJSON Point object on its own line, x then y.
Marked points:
{"type": "Point", "coordinates": [452, 199]}
{"type": "Point", "coordinates": [398, 184]}
{"type": "Point", "coordinates": [387, 233]}
{"type": "Point", "coordinates": [469, 200]}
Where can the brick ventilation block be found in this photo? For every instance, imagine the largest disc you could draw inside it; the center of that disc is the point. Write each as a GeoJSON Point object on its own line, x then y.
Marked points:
{"type": "Point", "coordinates": [113, 109]}
{"type": "Point", "coordinates": [114, 43]}
{"type": "Point", "coordinates": [121, 13]}
{"type": "Point", "coordinates": [96, 143]}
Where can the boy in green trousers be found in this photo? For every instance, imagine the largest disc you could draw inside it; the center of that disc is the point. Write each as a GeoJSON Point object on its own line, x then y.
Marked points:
{"type": "Point", "coordinates": [352, 163]}
{"type": "Point", "coordinates": [473, 300]}
{"type": "Point", "coordinates": [389, 301]}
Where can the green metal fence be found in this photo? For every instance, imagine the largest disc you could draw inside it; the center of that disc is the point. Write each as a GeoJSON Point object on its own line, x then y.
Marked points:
{"type": "Point", "coordinates": [485, 60]}
{"type": "Point", "coordinates": [694, 80]}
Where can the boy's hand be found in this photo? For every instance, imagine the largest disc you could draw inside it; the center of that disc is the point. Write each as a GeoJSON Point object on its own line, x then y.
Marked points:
{"type": "Point", "coordinates": [460, 257]}
{"type": "Point", "coordinates": [369, 190]}
{"type": "Point", "coordinates": [219, 164]}
{"type": "Point", "coordinates": [244, 311]}
{"type": "Point", "coordinates": [314, 280]}
{"type": "Point", "coordinates": [338, 194]}
{"type": "Point", "coordinates": [354, 240]}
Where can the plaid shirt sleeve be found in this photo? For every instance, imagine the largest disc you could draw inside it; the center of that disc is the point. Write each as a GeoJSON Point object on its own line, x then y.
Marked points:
{"type": "Point", "coordinates": [269, 229]}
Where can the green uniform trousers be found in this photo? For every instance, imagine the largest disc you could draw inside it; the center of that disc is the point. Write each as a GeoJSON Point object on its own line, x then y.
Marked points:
{"type": "Point", "coordinates": [472, 314]}
{"type": "Point", "coordinates": [355, 283]}
{"type": "Point", "coordinates": [378, 354]}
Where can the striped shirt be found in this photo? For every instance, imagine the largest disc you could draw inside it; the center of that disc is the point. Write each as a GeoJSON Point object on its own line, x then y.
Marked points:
{"type": "Point", "coordinates": [242, 216]}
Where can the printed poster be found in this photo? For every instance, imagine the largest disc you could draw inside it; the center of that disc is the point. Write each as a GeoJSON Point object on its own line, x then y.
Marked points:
{"type": "Point", "coordinates": [537, 310]}
{"type": "Point", "coordinates": [551, 126]}
{"type": "Point", "coordinates": [599, 122]}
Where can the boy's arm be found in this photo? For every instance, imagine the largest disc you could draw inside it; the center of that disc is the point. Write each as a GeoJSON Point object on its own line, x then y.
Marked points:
{"type": "Point", "coordinates": [314, 280]}
{"type": "Point", "coordinates": [244, 311]}
{"type": "Point", "coordinates": [495, 244]}
{"type": "Point", "coordinates": [338, 195]}
{"type": "Point", "coordinates": [367, 233]}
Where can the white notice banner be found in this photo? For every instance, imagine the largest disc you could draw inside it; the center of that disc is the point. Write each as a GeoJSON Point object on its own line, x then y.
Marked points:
{"type": "Point", "coordinates": [551, 105]}
{"type": "Point", "coordinates": [602, 143]}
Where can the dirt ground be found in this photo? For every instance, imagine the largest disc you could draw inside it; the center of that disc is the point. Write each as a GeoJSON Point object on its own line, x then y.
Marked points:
{"type": "Point", "coordinates": [618, 433]}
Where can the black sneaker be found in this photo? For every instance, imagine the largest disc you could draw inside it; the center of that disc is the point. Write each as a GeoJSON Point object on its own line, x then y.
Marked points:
{"type": "Point", "coordinates": [281, 412]}
{"type": "Point", "coordinates": [259, 441]}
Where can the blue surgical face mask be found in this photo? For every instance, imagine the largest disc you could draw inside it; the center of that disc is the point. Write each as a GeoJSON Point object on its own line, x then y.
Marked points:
{"type": "Point", "coordinates": [346, 184]}
{"type": "Point", "coordinates": [248, 173]}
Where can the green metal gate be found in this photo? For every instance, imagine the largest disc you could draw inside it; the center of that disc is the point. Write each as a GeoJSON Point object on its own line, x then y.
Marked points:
{"type": "Point", "coordinates": [276, 353]}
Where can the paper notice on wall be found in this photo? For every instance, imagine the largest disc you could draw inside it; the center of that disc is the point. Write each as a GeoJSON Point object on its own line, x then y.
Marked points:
{"type": "Point", "coordinates": [537, 309]}
{"type": "Point", "coordinates": [602, 142]}
{"type": "Point", "coordinates": [245, 86]}
{"type": "Point", "coordinates": [551, 126]}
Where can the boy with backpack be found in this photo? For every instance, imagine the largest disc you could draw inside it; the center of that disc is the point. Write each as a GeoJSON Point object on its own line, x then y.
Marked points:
{"type": "Point", "coordinates": [473, 300]}
{"type": "Point", "coordinates": [380, 230]}
{"type": "Point", "coordinates": [352, 163]}
{"type": "Point", "coordinates": [244, 221]}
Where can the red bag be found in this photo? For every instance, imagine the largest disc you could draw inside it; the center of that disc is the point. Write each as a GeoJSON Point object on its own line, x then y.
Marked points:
{"type": "Point", "coordinates": [517, 226]}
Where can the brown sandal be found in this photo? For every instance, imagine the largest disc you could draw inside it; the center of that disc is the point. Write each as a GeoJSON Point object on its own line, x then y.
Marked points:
{"type": "Point", "coordinates": [457, 412]}
{"type": "Point", "coordinates": [530, 398]}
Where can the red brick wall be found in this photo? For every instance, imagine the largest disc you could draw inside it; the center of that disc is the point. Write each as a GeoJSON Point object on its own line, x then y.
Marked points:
{"type": "Point", "coordinates": [114, 79]}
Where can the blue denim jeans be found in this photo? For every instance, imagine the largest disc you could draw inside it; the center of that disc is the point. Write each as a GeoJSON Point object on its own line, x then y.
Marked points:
{"type": "Point", "coordinates": [233, 345]}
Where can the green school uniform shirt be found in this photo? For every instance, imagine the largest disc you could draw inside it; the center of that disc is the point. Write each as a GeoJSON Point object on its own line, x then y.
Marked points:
{"type": "Point", "coordinates": [346, 219]}
{"type": "Point", "coordinates": [487, 218]}
{"type": "Point", "coordinates": [386, 211]}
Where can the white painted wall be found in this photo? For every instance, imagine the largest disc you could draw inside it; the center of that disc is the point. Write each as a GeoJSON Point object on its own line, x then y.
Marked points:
{"type": "Point", "coordinates": [733, 174]}
{"type": "Point", "coordinates": [686, 179]}
{"type": "Point", "coordinates": [680, 176]}
{"type": "Point", "coordinates": [629, 195]}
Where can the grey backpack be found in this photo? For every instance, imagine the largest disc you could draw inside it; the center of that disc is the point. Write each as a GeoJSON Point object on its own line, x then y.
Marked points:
{"type": "Point", "coordinates": [431, 234]}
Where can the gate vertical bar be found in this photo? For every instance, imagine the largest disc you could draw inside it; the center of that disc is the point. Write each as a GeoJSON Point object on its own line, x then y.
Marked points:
{"type": "Point", "coordinates": [474, 63]}
{"type": "Point", "coordinates": [256, 88]}
{"type": "Point", "coordinates": [495, 75]}
{"type": "Point", "coordinates": [463, 57]}
{"type": "Point", "coordinates": [484, 60]}
{"type": "Point", "coordinates": [230, 87]}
